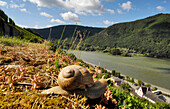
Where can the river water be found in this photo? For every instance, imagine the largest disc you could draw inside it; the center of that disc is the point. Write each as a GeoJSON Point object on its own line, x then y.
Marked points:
{"type": "Point", "coordinates": [150, 70]}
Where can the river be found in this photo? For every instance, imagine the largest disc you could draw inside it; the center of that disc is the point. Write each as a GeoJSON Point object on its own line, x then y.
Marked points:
{"type": "Point", "coordinates": [150, 70]}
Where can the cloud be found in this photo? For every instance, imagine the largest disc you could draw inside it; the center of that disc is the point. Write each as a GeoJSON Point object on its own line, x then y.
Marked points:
{"type": "Point", "coordinates": [108, 22]}
{"type": "Point", "coordinates": [69, 16]}
{"type": "Point", "coordinates": [2, 3]}
{"type": "Point", "coordinates": [23, 26]}
{"type": "Point", "coordinates": [119, 11]}
{"type": "Point", "coordinates": [79, 6]}
{"type": "Point", "coordinates": [160, 8]}
{"type": "Point", "coordinates": [16, 6]}
{"type": "Point", "coordinates": [36, 26]}
{"type": "Point", "coordinates": [57, 20]}
{"type": "Point", "coordinates": [45, 14]}
{"type": "Point", "coordinates": [164, 1]}
{"type": "Point", "coordinates": [24, 0]}
{"type": "Point", "coordinates": [49, 26]}
{"type": "Point", "coordinates": [126, 6]}
{"type": "Point", "coordinates": [111, 11]}
{"type": "Point", "coordinates": [39, 9]}
{"type": "Point", "coordinates": [23, 10]}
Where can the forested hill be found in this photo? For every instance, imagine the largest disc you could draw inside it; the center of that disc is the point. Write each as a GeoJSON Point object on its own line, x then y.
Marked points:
{"type": "Point", "coordinates": [150, 36]}
{"type": "Point", "coordinates": [56, 31]}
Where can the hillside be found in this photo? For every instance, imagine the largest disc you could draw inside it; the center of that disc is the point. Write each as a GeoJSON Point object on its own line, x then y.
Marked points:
{"type": "Point", "coordinates": [56, 31]}
{"type": "Point", "coordinates": [149, 36]}
{"type": "Point", "coordinates": [28, 69]}
{"type": "Point", "coordinates": [9, 28]}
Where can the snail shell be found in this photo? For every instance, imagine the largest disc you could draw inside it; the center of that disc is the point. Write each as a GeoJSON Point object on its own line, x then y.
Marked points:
{"type": "Point", "coordinates": [75, 77]}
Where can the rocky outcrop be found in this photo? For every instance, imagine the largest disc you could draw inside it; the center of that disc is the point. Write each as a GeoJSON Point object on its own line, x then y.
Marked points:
{"type": "Point", "coordinates": [7, 29]}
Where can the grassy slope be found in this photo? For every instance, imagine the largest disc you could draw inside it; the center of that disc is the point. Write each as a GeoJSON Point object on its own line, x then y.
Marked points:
{"type": "Point", "coordinates": [149, 35]}
{"type": "Point", "coordinates": [28, 35]}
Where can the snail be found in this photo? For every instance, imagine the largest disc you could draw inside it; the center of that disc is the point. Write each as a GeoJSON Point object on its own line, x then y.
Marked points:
{"type": "Point", "coordinates": [76, 79]}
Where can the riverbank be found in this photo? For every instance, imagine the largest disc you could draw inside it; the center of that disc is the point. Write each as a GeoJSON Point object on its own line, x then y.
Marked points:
{"type": "Point", "coordinates": [150, 70]}
{"type": "Point", "coordinates": [163, 90]}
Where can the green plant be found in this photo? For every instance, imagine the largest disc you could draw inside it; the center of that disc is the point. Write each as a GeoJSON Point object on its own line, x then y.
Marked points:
{"type": "Point", "coordinates": [154, 88]}
{"type": "Point", "coordinates": [12, 41]}
{"type": "Point", "coordinates": [113, 72]}
{"type": "Point", "coordinates": [140, 82]}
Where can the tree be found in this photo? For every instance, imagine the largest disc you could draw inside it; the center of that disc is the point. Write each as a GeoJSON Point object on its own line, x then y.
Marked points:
{"type": "Point", "coordinates": [117, 74]}
{"type": "Point", "coordinates": [132, 80]}
{"type": "Point", "coordinates": [140, 82]}
{"type": "Point", "coordinates": [113, 72]}
{"type": "Point", "coordinates": [147, 85]}
{"type": "Point", "coordinates": [114, 51]}
{"type": "Point", "coordinates": [128, 78]}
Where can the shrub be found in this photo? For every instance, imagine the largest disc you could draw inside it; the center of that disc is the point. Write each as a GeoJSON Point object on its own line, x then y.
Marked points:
{"type": "Point", "coordinates": [113, 72]}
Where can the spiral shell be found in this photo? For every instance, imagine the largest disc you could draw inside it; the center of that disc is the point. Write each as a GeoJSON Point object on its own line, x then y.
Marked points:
{"type": "Point", "coordinates": [75, 77]}
{"type": "Point", "coordinates": [72, 79]}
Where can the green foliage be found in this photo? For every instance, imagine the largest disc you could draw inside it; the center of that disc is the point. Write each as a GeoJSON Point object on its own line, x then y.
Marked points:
{"type": "Point", "coordinates": [115, 51]}
{"type": "Point", "coordinates": [24, 34]}
{"type": "Point", "coordinates": [149, 36]}
{"type": "Point", "coordinates": [33, 32]}
{"type": "Point", "coordinates": [10, 41]}
{"type": "Point", "coordinates": [113, 72]}
{"type": "Point", "coordinates": [140, 82]}
{"type": "Point", "coordinates": [127, 78]}
{"type": "Point", "coordinates": [57, 66]}
{"type": "Point", "coordinates": [107, 75]}
{"type": "Point", "coordinates": [162, 105]}
{"type": "Point", "coordinates": [147, 85]}
{"type": "Point", "coordinates": [125, 86]}
{"type": "Point", "coordinates": [131, 102]}
{"type": "Point", "coordinates": [117, 74]}
{"type": "Point", "coordinates": [132, 80]}
{"type": "Point", "coordinates": [154, 88]}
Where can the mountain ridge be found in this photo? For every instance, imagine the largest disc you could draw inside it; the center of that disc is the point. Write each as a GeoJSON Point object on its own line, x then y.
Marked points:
{"type": "Point", "coordinates": [150, 36]}
{"type": "Point", "coordinates": [56, 31]}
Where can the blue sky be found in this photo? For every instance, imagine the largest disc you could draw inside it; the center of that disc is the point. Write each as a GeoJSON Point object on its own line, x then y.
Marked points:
{"type": "Point", "coordinates": [96, 13]}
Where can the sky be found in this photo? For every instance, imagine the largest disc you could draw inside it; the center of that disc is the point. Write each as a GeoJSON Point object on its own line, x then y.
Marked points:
{"type": "Point", "coordinates": [95, 13]}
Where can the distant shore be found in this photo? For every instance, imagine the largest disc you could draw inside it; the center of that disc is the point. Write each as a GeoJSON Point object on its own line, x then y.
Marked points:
{"type": "Point", "coordinates": [163, 90]}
